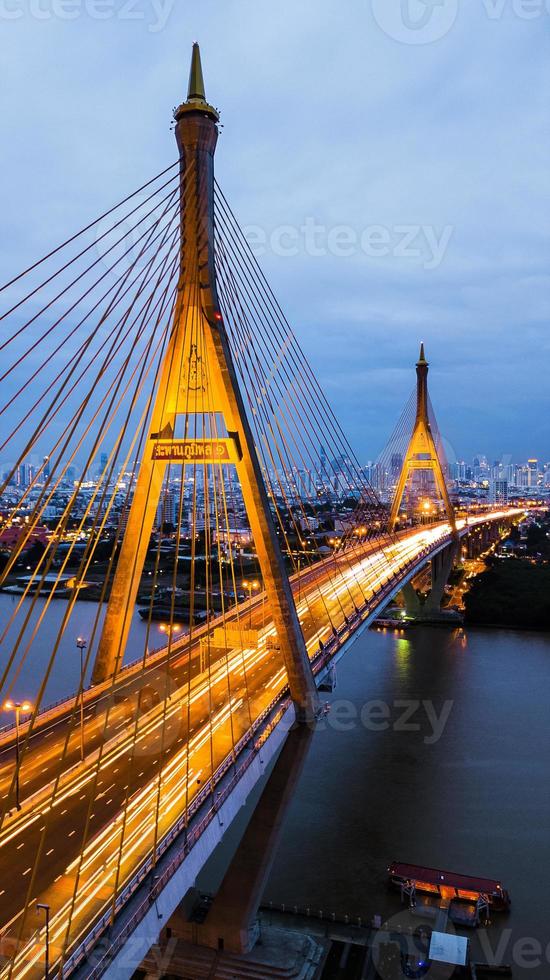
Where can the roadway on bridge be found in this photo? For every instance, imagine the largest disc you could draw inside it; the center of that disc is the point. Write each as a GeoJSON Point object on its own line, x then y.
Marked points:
{"type": "Point", "coordinates": [123, 803]}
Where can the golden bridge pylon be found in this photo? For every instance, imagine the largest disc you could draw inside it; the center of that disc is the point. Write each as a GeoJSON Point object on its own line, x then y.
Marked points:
{"type": "Point", "coordinates": [198, 376]}
{"type": "Point", "coordinates": [422, 452]}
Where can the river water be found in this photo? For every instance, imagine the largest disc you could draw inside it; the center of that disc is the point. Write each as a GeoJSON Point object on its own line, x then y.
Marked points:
{"type": "Point", "coordinates": [436, 751]}
{"type": "Point", "coordinates": [34, 652]}
{"type": "Point", "coordinates": [467, 791]}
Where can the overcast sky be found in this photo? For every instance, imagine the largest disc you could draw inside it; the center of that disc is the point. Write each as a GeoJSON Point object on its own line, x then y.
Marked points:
{"type": "Point", "coordinates": [392, 156]}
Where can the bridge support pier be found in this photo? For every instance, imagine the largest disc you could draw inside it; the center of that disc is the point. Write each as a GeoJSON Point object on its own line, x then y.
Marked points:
{"type": "Point", "coordinates": [413, 605]}
{"type": "Point", "coordinates": [441, 566]}
{"type": "Point", "coordinates": [231, 923]}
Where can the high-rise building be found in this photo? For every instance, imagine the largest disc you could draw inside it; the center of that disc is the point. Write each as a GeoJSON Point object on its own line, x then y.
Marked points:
{"type": "Point", "coordinates": [532, 472]}
{"type": "Point", "coordinates": [168, 509]}
{"type": "Point", "coordinates": [499, 492]}
{"type": "Point", "coordinates": [323, 464]}
{"type": "Point", "coordinates": [396, 465]}
{"type": "Point", "coordinates": [481, 467]}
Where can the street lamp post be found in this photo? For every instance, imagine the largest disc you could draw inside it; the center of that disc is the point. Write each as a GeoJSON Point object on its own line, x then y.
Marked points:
{"type": "Point", "coordinates": [46, 910]}
{"type": "Point", "coordinates": [81, 644]}
{"type": "Point", "coordinates": [18, 707]}
{"type": "Point", "coordinates": [251, 587]}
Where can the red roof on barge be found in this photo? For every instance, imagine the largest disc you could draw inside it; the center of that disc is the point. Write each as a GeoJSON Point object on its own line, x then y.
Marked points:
{"type": "Point", "coordinates": [433, 876]}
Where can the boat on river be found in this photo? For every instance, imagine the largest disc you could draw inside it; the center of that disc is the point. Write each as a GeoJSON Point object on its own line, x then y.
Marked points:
{"type": "Point", "coordinates": [449, 886]}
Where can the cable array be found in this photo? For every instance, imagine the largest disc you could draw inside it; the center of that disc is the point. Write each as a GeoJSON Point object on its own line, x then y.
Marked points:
{"type": "Point", "coordinates": [91, 332]}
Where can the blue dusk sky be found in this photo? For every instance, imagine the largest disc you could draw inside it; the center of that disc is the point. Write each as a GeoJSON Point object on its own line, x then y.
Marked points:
{"type": "Point", "coordinates": [390, 158]}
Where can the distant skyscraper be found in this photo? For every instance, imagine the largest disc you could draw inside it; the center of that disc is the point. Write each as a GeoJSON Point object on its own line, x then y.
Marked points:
{"type": "Point", "coordinates": [499, 492]}
{"type": "Point", "coordinates": [168, 509]}
{"type": "Point", "coordinates": [481, 467]}
{"type": "Point", "coordinates": [532, 472]}
{"type": "Point", "coordinates": [396, 465]}
{"type": "Point", "coordinates": [323, 464]}
{"type": "Point", "coordinates": [522, 476]}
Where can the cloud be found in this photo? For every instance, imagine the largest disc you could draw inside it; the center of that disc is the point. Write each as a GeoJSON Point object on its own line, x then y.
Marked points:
{"type": "Point", "coordinates": [328, 117]}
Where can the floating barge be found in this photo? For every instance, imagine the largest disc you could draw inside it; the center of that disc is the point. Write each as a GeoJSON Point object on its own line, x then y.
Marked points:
{"type": "Point", "coordinates": [449, 886]}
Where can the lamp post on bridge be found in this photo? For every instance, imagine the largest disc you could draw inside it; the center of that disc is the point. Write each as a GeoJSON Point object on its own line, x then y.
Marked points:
{"type": "Point", "coordinates": [251, 587]}
{"type": "Point", "coordinates": [46, 909]}
{"type": "Point", "coordinates": [81, 644]}
{"type": "Point", "coordinates": [427, 512]}
{"type": "Point", "coordinates": [19, 707]}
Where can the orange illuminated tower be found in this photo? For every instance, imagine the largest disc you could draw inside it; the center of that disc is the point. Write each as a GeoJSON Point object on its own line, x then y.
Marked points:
{"type": "Point", "coordinates": [421, 452]}
{"type": "Point", "coordinates": [198, 377]}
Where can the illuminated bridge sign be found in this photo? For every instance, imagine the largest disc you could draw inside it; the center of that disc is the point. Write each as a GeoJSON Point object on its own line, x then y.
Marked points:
{"type": "Point", "coordinates": [196, 450]}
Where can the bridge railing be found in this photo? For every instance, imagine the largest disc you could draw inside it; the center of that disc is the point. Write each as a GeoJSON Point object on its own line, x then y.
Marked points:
{"type": "Point", "coordinates": [267, 722]}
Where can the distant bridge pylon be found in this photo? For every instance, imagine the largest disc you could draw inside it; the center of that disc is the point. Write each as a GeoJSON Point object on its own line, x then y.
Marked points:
{"type": "Point", "coordinates": [422, 455]}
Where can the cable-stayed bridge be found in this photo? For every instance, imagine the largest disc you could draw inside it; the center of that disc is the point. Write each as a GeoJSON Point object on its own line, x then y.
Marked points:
{"type": "Point", "coordinates": [186, 460]}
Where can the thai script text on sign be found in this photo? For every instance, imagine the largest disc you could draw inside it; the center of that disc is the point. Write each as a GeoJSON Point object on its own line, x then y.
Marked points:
{"type": "Point", "coordinates": [194, 450]}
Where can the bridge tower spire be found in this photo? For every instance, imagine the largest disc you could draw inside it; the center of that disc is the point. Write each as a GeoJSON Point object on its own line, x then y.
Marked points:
{"type": "Point", "coordinates": [422, 451]}
{"type": "Point", "coordinates": [186, 390]}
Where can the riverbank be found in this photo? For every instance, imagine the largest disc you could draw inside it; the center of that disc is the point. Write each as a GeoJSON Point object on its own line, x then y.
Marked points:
{"type": "Point", "coordinates": [512, 593]}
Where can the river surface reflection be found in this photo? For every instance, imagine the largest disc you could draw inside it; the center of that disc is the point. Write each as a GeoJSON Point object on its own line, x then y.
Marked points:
{"type": "Point", "coordinates": [475, 800]}
{"type": "Point", "coordinates": [34, 654]}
